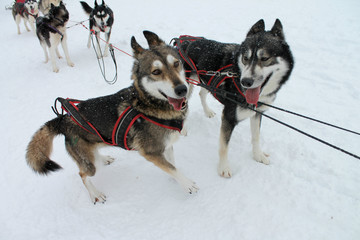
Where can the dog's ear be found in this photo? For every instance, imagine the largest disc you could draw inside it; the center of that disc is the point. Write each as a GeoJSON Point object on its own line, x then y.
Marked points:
{"type": "Point", "coordinates": [257, 27]}
{"type": "Point", "coordinates": [153, 39]}
{"type": "Point", "coordinates": [103, 3]}
{"type": "Point", "coordinates": [136, 47]}
{"type": "Point", "coordinates": [95, 3]}
{"type": "Point", "coordinates": [277, 30]}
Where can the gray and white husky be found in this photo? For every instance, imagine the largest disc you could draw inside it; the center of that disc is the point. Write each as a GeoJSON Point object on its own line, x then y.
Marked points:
{"type": "Point", "coordinates": [28, 12]}
{"type": "Point", "coordinates": [51, 31]}
{"type": "Point", "coordinates": [158, 98]}
{"type": "Point", "coordinates": [101, 19]}
{"type": "Point", "coordinates": [258, 67]}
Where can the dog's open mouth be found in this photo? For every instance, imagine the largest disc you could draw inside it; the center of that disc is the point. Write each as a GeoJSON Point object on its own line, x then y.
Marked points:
{"type": "Point", "coordinates": [177, 103]}
{"type": "Point", "coordinates": [252, 95]}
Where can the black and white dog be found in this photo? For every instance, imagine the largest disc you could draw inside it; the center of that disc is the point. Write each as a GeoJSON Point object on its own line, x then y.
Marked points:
{"type": "Point", "coordinates": [101, 19]}
{"type": "Point", "coordinates": [51, 31]}
{"type": "Point", "coordinates": [28, 11]}
{"type": "Point", "coordinates": [260, 65]}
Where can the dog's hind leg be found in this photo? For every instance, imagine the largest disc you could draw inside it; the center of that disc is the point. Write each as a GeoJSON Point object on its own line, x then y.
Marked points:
{"type": "Point", "coordinates": [160, 161]}
{"type": "Point", "coordinates": [83, 153]}
{"type": "Point", "coordinates": [58, 53]}
{"type": "Point", "coordinates": [258, 154]}
{"type": "Point", "coordinates": [226, 130]}
{"type": "Point", "coordinates": [203, 94]}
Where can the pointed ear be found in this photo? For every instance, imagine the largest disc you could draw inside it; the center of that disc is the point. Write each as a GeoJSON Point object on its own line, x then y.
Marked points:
{"type": "Point", "coordinates": [153, 39]}
{"type": "Point", "coordinates": [277, 30]}
{"type": "Point", "coordinates": [52, 5]}
{"type": "Point", "coordinates": [137, 49]}
{"type": "Point", "coordinates": [95, 3]}
{"type": "Point", "coordinates": [257, 27]}
{"type": "Point", "coordinates": [102, 3]}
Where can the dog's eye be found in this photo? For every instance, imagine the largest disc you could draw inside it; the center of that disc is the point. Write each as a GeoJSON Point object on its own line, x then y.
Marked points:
{"type": "Point", "coordinates": [156, 72]}
{"type": "Point", "coordinates": [264, 59]}
{"type": "Point", "coordinates": [176, 64]}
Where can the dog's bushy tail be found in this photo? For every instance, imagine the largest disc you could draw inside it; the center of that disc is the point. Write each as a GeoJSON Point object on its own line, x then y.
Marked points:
{"type": "Point", "coordinates": [86, 7]}
{"type": "Point", "coordinates": [40, 148]}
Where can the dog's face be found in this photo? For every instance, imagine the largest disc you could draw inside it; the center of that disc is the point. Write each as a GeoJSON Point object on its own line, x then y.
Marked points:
{"type": "Point", "coordinates": [261, 59]}
{"type": "Point", "coordinates": [59, 12]}
{"type": "Point", "coordinates": [101, 15]}
{"type": "Point", "coordinates": [159, 72]}
{"type": "Point", "coordinates": [32, 6]}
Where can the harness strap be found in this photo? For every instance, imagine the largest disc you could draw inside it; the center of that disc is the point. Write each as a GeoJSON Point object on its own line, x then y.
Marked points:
{"type": "Point", "coordinates": [122, 126]}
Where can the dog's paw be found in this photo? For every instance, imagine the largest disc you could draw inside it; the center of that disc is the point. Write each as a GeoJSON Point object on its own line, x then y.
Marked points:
{"type": "Point", "coordinates": [59, 57]}
{"type": "Point", "coordinates": [107, 160]}
{"type": "Point", "coordinates": [55, 70]}
{"type": "Point", "coordinates": [70, 64]}
{"type": "Point", "coordinates": [261, 157]}
{"type": "Point", "coordinates": [98, 198]}
{"type": "Point", "coordinates": [224, 170]}
{"type": "Point", "coordinates": [191, 187]}
{"type": "Point", "coordinates": [184, 132]}
{"type": "Point", "coordinates": [209, 113]}
{"type": "Point", "coordinates": [188, 185]}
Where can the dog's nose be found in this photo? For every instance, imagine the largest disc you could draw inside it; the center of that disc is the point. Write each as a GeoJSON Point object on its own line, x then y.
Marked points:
{"type": "Point", "coordinates": [181, 90]}
{"type": "Point", "coordinates": [247, 82]}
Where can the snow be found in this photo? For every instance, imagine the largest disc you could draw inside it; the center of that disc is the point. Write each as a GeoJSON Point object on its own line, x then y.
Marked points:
{"type": "Point", "coordinates": [309, 191]}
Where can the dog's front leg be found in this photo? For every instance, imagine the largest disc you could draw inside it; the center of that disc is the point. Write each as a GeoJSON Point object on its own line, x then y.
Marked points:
{"type": "Point", "coordinates": [226, 130]}
{"type": "Point", "coordinates": [66, 51]}
{"type": "Point", "coordinates": [107, 38]}
{"type": "Point", "coordinates": [17, 20]}
{"type": "Point", "coordinates": [160, 161]}
{"type": "Point", "coordinates": [52, 51]}
{"type": "Point", "coordinates": [258, 154]}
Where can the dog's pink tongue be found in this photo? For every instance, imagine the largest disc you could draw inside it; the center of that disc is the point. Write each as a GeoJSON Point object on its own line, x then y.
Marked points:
{"type": "Point", "coordinates": [32, 11]}
{"type": "Point", "coordinates": [252, 95]}
{"type": "Point", "coordinates": [177, 103]}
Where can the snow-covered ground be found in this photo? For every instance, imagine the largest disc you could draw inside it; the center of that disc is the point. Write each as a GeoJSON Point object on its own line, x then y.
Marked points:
{"type": "Point", "coordinates": [309, 191]}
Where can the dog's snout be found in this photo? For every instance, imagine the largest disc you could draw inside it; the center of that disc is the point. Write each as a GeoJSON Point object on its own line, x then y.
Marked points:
{"type": "Point", "coordinates": [181, 90]}
{"type": "Point", "coordinates": [247, 82]}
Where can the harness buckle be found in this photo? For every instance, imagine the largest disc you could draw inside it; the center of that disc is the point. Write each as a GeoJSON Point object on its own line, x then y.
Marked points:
{"type": "Point", "coordinates": [213, 73]}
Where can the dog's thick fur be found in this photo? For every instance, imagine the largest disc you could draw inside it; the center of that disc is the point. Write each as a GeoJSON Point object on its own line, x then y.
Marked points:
{"type": "Point", "coordinates": [159, 90]}
{"type": "Point", "coordinates": [51, 31]}
{"type": "Point", "coordinates": [263, 63]}
{"type": "Point", "coordinates": [45, 5]}
{"type": "Point", "coordinates": [101, 19]}
{"type": "Point", "coordinates": [28, 12]}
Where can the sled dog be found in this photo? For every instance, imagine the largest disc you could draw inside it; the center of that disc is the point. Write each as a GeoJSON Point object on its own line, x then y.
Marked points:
{"type": "Point", "coordinates": [101, 19]}
{"type": "Point", "coordinates": [28, 12]}
{"type": "Point", "coordinates": [257, 67]}
{"type": "Point", "coordinates": [51, 31]}
{"type": "Point", "coordinates": [158, 96]}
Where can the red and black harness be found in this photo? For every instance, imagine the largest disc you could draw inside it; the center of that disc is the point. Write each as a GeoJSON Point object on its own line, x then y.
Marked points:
{"type": "Point", "coordinates": [127, 119]}
{"type": "Point", "coordinates": [218, 77]}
